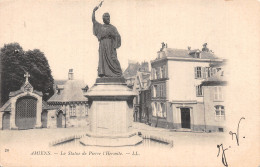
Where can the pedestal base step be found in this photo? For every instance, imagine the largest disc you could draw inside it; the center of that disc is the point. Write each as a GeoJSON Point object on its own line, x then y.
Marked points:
{"type": "Point", "coordinates": [111, 142]}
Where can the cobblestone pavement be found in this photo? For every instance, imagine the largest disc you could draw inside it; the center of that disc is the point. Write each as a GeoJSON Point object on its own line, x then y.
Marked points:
{"type": "Point", "coordinates": [181, 138]}
{"type": "Point", "coordinates": [43, 137]}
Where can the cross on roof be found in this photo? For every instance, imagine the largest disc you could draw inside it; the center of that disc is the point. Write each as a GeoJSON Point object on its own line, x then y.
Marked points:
{"type": "Point", "coordinates": [26, 75]}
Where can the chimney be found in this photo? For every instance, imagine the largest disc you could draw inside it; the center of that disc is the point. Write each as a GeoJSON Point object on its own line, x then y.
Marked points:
{"type": "Point", "coordinates": [70, 74]}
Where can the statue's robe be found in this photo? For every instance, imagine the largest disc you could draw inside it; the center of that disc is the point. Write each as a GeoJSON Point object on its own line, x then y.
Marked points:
{"type": "Point", "coordinates": [109, 40]}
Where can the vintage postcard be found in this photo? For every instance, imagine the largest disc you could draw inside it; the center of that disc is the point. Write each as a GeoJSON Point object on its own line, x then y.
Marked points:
{"type": "Point", "coordinates": [129, 83]}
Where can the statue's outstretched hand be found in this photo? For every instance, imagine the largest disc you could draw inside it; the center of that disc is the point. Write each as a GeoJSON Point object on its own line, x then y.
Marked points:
{"type": "Point", "coordinates": [95, 9]}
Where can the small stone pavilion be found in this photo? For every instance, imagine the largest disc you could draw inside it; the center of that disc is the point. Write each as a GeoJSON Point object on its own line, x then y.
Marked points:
{"type": "Point", "coordinates": [23, 109]}
{"type": "Point", "coordinates": [70, 108]}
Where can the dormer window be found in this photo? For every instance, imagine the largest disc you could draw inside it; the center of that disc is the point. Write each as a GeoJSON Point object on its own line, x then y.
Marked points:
{"type": "Point", "coordinates": [59, 88]}
{"type": "Point", "coordinates": [197, 55]}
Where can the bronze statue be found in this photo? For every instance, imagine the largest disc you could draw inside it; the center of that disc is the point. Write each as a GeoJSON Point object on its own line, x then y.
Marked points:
{"type": "Point", "coordinates": [109, 40]}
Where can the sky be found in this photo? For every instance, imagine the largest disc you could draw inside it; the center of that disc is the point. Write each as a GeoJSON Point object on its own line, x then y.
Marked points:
{"type": "Point", "coordinates": [62, 29]}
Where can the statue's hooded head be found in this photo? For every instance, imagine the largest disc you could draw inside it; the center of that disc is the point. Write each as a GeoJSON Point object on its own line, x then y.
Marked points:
{"type": "Point", "coordinates": [106, 18]}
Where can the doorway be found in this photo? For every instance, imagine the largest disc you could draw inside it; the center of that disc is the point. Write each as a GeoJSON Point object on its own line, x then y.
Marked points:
{"type": "Point", "coordinates": [59, 119]}
{"type": "Point", "coordinates": [25, 112]}
{"type": "Point", "coordinates": [6, 121]}
{"type": "Point", "coordinates": [44, 119]}
{"type": "Point", "coordinates": [185, 118]}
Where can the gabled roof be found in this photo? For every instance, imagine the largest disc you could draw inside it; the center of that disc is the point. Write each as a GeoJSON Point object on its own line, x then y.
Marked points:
{"type": "Point", "coordinates": [143, 78]}
{"type": "Point", "coordinates": [72, 92]}
{"type": "Point", "coordinates": [131, 70]}
{"type": "Point", "coordinates": [14, 93]}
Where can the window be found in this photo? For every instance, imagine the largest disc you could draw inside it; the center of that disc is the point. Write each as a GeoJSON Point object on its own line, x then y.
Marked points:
{"type": "Point", "coordinates": [158, 73]}
{"type": "Point", "coordinates": [159, 110]}
{"type": "Point", "coordinates": [218, 94]}
{"type": "Point", "coordinates": [154, 109]}
{"type": "Point", "coordinates": [72, 112]}
{"type": "Point", "coordinates": [158, 89]}
{"type": "Point", "coordinates": [208, 70]}
{"type": "Point", "coordinates": [165, 72]}
{"type": "Point", "coordinates": [220, 112]}
{"type": "Point", "coordinates": [154, 90]}
{"type": "Point", "coordinates": [201, 72]}
{"type": "Point", "coordinates": [163, 110]}
{"type": "Point", "coordinates": [153, 73]}
{"type": "Point", "coordinates": [198, 72]}
{"type": "Point", "coordinates": [162, 73]}
{"type": "Point", "coordinates": [213, 71]}
{"type": "Point", "coordinates": [161, 90]}
{"type": "Point", "coordinates": [197, 55]}
{"type": "Point", "coordinates": [199, 90]}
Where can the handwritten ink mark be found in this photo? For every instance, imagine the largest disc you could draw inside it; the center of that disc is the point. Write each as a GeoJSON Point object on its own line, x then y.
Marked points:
{"type": "Point", "coordinates": [237, 134]}
{"type": "Point", "coordinates": [224, 160]}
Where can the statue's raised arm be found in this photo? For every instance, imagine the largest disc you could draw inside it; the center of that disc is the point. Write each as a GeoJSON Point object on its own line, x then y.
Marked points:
{"type": "Point", "coordinates": [93, 14]}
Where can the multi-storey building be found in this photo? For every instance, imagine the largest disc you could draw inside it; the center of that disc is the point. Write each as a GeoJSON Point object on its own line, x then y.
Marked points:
{"type": "Point", "coordinates": [142, 86]}
{"type": "Point", "coordinates": [137, 78]}
{"type": "Point", "coordinates": [177, 95]}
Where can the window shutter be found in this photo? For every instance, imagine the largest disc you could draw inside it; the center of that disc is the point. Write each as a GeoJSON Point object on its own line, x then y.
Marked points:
{"type": "Point", "coordinates": [164, 90]}
{"type": "Point", "coordinates": [207, 72]}
{"type": "Point", "coordinates": [195, 72]}
{"type": "Point", "coordinates": [197, 90]}
{"type": "Point", "coordinates": [152, 91]}
{"type": "Point", "coordinates": [159, 90]}
{"type": "Point", "coordinates": [203, 72]}
{"type": "Point", "coordinates": [161, 93]}
{"type": "Point", "coordinates": [165, 72]}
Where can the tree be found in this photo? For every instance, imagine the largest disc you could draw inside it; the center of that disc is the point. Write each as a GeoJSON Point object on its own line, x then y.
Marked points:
{"type": "Point", "coordinates": [15, 62]}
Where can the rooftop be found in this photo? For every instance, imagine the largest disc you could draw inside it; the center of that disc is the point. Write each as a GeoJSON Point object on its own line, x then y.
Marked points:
{"type": "Point", "coordinates": [185, 54]}
{"type": "Point", "coordinates": [72, 92]}
{"type": "Point", "coordinates": [134, 67]}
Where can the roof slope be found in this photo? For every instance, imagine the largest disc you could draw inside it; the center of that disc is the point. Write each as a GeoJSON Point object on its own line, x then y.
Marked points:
{"type": "Point", "coordinates": [182, 53]}
{"type": "Point", "coordinates": [131, 70]}
{"type": "Point", "coordinates": [72, 92]}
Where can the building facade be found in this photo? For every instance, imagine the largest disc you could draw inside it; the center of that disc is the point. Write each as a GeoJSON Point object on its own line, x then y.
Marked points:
{"type": "Point", "coordinates": [69, 105]}
{"type": "Point", "coordinates": [143, 100]}
{"type": "Point", "coordinates": [177, 95]}
{"type": "Point", "coordinates": [138, 78]}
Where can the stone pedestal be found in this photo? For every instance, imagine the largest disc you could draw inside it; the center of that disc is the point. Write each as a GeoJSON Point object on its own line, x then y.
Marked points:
{"type": "Point", "coordinates": [111, 114]}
